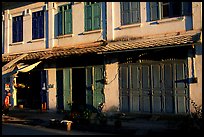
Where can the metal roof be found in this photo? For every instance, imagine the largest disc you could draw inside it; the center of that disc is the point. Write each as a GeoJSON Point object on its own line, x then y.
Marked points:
{"type": "Point", "coordinates": [110, 47]}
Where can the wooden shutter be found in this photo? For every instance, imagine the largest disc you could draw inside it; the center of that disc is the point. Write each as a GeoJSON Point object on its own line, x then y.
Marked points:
{"type": "Point", "coordinates": [41, 24]}
{"type": "Point", "coordinates": [89, 82]}
{"type": "Point", "coordinates": [14, 30]}
{"type": "Point", "coordinates": [98, 86]}
{"type": "Point", "coordinates": [125, 13]}
{"type": "Point", "coordinates": [34, 26]}
{"type": "Point", "coordinates": [96, 16]}
{"type": "Point", "coordinates": [135, 12]}
{"type": "Point", "coordinates": [67, 88]}
{"type": "Point", "coordinates": [154, 10]}
{"type": "Point", "coordinates": [68, 21]}
{"type": "Point", "coordinates": [20, 28]}
{"type": "Point", "coordinates": [88, 18]}
{"type": "Point", "coordinates": [60, 24]}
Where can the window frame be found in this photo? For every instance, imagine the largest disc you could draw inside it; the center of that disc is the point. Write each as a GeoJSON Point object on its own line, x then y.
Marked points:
{"type": "Point", "coordinates": [17, 32]}
{"type": "Point", "coordinates": [38, 20]}
{"type": "Point", "coordinates": [130, 13]}
{"type": "Point", "coordinates": [159, 8]}
{"type": "Point", "coordinates": [94, 18]}
{"type": "Point", "coordinates": [63, 28]}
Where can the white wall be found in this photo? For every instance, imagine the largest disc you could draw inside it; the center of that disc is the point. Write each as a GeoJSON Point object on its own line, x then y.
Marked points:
{"type": "Point", "coordinates": [111, 89]}
{"type": "Point", "coordinates": [52, 91]}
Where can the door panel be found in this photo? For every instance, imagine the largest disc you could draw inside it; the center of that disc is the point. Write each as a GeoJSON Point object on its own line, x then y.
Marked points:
{"type": "Point", "coordinates": [60, 105]}
{"type": "Point", "coordinates": [98, 95]}
{"type": "Point", "coordinates": [67, 88]}
{"type": "Point", "coordinates": [89, 83]}
{"type": "Point", "coordinates": [154, 87]}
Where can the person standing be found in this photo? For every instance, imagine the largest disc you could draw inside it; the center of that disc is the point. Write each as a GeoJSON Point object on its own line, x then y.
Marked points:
{"type": "Point", "coordinates": [6, 104]}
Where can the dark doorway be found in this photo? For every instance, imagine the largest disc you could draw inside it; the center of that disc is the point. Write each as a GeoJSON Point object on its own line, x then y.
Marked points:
{"type": "Point", "coordinates": [28, 95]}
{"type": "Point", "coordinates": [78, 87]}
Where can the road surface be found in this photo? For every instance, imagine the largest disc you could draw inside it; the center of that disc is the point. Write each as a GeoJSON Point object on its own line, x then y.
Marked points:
{"type": "Point", "coordinates": [18, 129]}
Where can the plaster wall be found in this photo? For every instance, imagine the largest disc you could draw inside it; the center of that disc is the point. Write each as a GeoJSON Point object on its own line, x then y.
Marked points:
{"type": "Point", "coordinates": [111, 88]}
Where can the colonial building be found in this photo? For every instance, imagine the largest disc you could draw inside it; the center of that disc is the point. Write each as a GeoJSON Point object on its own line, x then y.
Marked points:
{"type": "Point", "coordinates": [135, 57]}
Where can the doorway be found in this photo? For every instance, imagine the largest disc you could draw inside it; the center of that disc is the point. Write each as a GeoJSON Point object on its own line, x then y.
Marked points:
{"type": "Point", "coordinates": [78, 87]}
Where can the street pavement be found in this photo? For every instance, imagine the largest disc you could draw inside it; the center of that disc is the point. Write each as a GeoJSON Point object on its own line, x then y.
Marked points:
{"type": "Point", "coordinates": [140, 125]}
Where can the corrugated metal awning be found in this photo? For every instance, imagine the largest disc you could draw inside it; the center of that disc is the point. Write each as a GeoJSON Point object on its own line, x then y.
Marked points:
{"type": "Point", "coordinates": [111, 47]}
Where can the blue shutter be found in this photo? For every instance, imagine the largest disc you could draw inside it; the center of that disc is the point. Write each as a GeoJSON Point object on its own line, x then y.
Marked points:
{"type": "Point", "coordinates": [60, 23]}
{"type": "Point", "coordinates": [68, 21]}
{"type": "Point", "coordinates": [41, 24]}
{"type": "Point", "coordinates": [20, 28]}
{"type": "Point", "coordinates": [34, 27]}
{"type": "Point", "coordinates": [96, 16]}
{"type": "Point", "coordinates": [125, 13]}
{"type": "Point", "coordinates": [88, 18]}
{"type": "Point", "coordinates": [154, 10]}
{"type": "Point", "coordinates": [135, 12]}
{"type": "Point", "coordinates": [14, 30]}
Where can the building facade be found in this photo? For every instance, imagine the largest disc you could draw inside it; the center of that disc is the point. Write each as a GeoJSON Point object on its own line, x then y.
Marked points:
{"type": "Point", "coordinates": [135, 57]}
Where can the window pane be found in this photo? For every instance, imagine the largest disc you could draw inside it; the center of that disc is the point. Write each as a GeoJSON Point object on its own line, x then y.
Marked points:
{"type": "Point", "coordinates": [176, 8]}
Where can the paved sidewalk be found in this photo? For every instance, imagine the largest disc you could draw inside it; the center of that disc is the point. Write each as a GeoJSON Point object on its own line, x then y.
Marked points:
{"type": "Point", "coordinates": [141, 125]}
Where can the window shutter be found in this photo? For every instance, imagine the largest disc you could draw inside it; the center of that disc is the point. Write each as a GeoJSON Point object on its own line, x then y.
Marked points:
{"type": "Point", "coordinates": [60, 23]}
{"type": "Point", "coordinates": [14, 30]}
{"type": "Point", "coordinates": [68, 21]}
{"type": "Point", "coordinates": [125, 13]}
{"type": "Point", "coordinates": [41, 25]}
{"type": "Point", "coordinates": [20, 28]}
{"type": "Point", "coordinates": [96, 16]}
{"type": "Point", "coordinates": [154, 10]}
{"type": "Point", "coordinates": [88, 18]}
{"type": "Point", "coordinates": [186, 8]}
{"type": "Point", "coordinates": [135, 10]}
{"type": "Point", "coordinates": [34, 27]}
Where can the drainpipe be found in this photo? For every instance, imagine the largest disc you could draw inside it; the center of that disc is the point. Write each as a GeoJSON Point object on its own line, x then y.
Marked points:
{"type": "Point", "coordinates": [104, 20]}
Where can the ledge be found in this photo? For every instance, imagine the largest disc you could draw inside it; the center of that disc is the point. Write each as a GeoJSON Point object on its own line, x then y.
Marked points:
{"type": "Point", "coordinates": [92, 31]}
{"type": "Point", "coordinates": [64, 36]}
{"type": "Point", "coordinates": [129, 26]}
{"type": "Point", "coordinates": [37, 40]}
{"type": "Point", "coordinates": [167, 20]}
{"type": "Point", "coordinates": [16, 43]}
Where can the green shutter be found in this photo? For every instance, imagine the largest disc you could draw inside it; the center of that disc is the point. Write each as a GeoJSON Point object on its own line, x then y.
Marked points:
{"type": "Point", "coordinates": [89, 82]}
{"type": "Point", "coordinates": [67, 88]}
{"type": "Point", "coordinates": [88, 18]}
{"type": "Point", "coordinates": [96, 16]}
{"type": "Point", "coordinates": [68, 21]}
{"type": "Point", "coordinates": [98, 95]}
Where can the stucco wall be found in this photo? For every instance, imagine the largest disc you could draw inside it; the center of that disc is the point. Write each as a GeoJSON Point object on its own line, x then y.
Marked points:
{"type": "Point", "coordinates": [111, 88]}
{"type": "Point", "coordinates": [52, 91]}
{"type": "Point", "coordinates": [140, 29]}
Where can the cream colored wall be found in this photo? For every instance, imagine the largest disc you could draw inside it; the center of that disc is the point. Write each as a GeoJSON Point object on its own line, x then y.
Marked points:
{"type": "Point", "coordinates": [78, 29]}
{"type": "Point", "coordinates": [27, 44]}
{"type": "Point", "coordinates": [140, 29]}
{"type": "Point", "coordinates": [52, 91]}
{"type": "Point", "coordinates": [196, 88]}
{"type": "Point", "coordinates": [111, 89]}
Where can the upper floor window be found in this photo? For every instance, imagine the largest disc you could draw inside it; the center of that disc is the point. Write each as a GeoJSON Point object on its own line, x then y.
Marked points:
{"type": "Point", "coordinates": [65, 19]}
{"type": "Point", "coordinates": [38, 24]}
{"type": "Point", "coordinates": [17, 28]}
{"type": "Point", "coordinates": [161, 10]}
{"type": "Point", "coordinates": [130, 12]}
{"type": "Point", "coordinates": [92, 15]}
